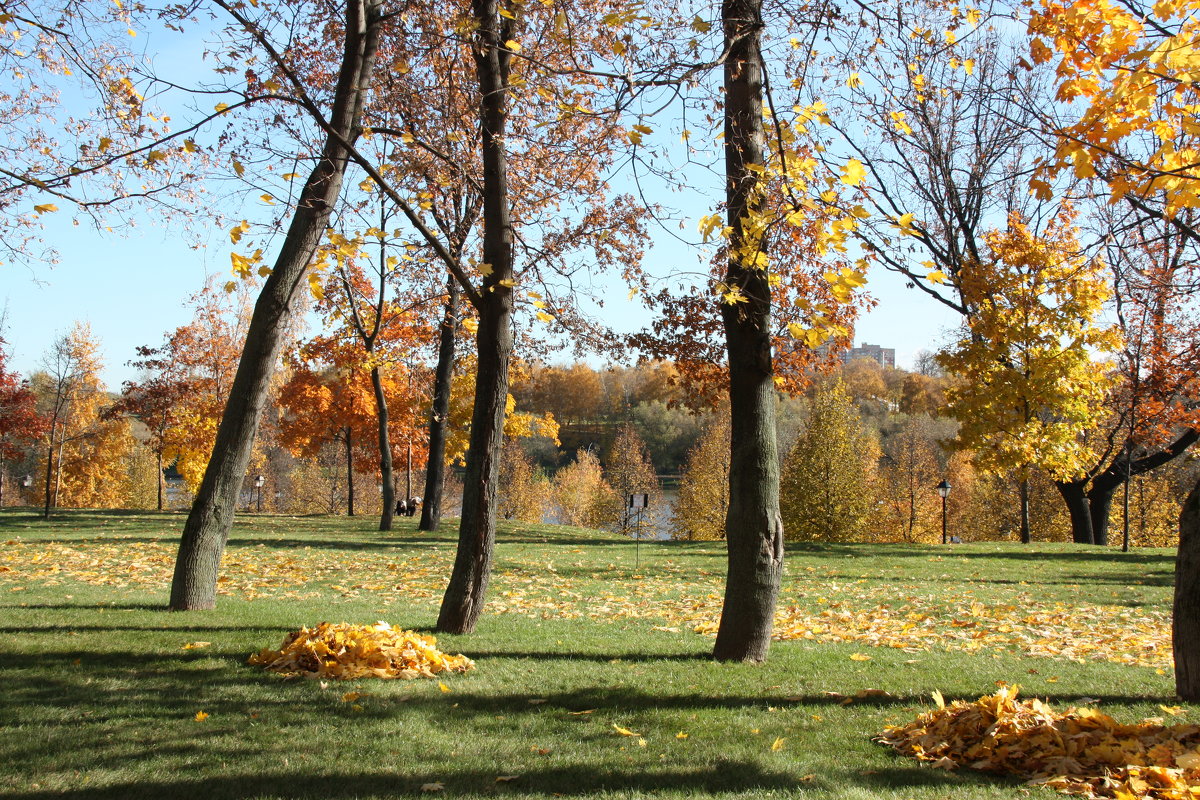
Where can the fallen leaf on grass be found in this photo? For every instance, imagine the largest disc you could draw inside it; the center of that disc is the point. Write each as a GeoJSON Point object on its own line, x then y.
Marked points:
{"type": "Point", "coordinates": [681, 735]}
{"type": "Point", "coordinates": [777, 745]}
{"type": "Point", "coordinates": [195, 645]}
{"type": "Point", "coordinates": [201, 716]}
{"type": "Point", "coordinates": [1080, 751]}
{"type": "Point", "coordinates": [506, 778]}
{"type": "Point", "coordinates": [859, 657]}
{"type": "Point", "coordinates": [445, 689]}
{"type": "Point", "coordinates": [350, 697]}
{"type": "Point", "coordinates": [624, 731]}
{"type": "Point", "coordinates": [436, 786]}
{"type": "Point", "coordinates": [347, 652]}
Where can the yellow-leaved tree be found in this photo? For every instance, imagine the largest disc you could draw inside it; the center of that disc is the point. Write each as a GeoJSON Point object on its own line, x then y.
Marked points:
{"type": "Point", "coordinates": [825, 493]}
{"type": "Point", "coordinates": [703, 500]}
{"type": "Point", "coordinates": [1030, 387]}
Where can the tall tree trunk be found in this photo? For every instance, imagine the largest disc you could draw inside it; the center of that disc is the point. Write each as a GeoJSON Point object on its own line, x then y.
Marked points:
{"type": "Point", "coordinates": [207, 527]}
{"type": "Point", "coordinates": [349, 440]}
{"type": "Point", "coordinates": [1100, 499]}
{"type": "Point", "coordinates": [1185, 623]}
{"type": "Point", "coordinates": [465, 593]}
{"type": "Point", "coordinates": [753, 527]}
{"type": "Point", "coordinates": [1023, 492]}
{"type": "Point", "coordinates": [1075, 497]}
{"type": "Point", "coordinates": [386, 470]}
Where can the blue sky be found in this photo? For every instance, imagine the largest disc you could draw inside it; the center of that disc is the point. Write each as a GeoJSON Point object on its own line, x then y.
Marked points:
{"type": "Point", "coordinates": [132, 288]}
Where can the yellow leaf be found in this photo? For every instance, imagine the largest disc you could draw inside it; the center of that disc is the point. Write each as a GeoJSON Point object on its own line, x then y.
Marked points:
{"type": "Point", "coordinates": [624, 731]}
{"type": "Point", "coordinates": [350, 697]}
{"type": "Point", "coordinates": [219, 107]}
{"type": "Point", "coordinates": [195, 645]}
{"type": "Point", "coordinates": [777, 745]}
{"type": "Point", "coordinates": [513, 45]}
{"type": "Point", "coordinates": [445, 689]}
{"type": "Point", "coordinates": [190, 146]}
{"type": "Point", "coordinates": [859, 657]}
{"type": "Point", "coordinates": [1174, 711]}
{"type": "Point", "coordinates": [45, 208]}
{"type": "Point", "coordinates": [201, 716]}
{"type": "Point", "coordinates": [699, 25]}
{"type": "Point", "coordinates": [853, 173]}
{"type": "Point", "coordinates": [936, 276]}
{"type": "Point", "coordinates": [854, 80]}
{"type": "Point", "coordinates": [238, 168]}
{"type": "Point", "coordinates": [681, 735]}
{"type": "Point", "coordinates": [937, 698]}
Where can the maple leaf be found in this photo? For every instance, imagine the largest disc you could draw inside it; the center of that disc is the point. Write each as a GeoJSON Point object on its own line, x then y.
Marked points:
{"type": "Point", "coordinates": [201, 716]}
{"type": "Point", "coordinates": [853, 172]}
{"type": "Point", "coordinates": [624, 731]}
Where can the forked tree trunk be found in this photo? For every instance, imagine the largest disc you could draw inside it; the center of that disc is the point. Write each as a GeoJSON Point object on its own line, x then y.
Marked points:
{"type": "Point", "coordinates": [465, 593]}
{"type": "Point", "coordinates": [208, 524]}
{"type": "Point", "coordinates": [1074, 495]}
{"type": "Point", "coordinates": [386, 470]}
{"type": "Point", "coordinates": [1185, 623]}
{"type": "Point", "coordinates": [435, 468]}
{"type": "Point", "coordinates": [753, 528]}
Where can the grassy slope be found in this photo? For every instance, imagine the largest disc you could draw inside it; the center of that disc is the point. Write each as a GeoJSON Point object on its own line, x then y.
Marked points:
{"type": "Point", "coordinates": [98, 699]}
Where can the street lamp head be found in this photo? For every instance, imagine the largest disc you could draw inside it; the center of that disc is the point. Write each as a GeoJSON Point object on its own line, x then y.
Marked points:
{"type": "Point", "coordinates": [943, 489]}
{"type": "Point", "coordinates": [259, 480]}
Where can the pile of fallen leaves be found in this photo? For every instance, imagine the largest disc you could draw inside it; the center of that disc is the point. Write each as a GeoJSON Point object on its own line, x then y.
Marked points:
{"type": "Point", "coordinates": [345, 651]}
{"type": "Point", "coordinates": [1080, 751]}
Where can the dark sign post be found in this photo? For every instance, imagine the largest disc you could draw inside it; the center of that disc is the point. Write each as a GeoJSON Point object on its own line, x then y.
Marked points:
{"type": "Point", "coordinates": [638, 503]}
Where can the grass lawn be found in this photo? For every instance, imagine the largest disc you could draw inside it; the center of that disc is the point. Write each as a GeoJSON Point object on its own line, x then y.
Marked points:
{"type": "Point", "coordinates": [99, 697]}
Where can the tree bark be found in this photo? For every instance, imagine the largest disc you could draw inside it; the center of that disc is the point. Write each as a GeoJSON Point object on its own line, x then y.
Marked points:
{"type": "Point", "coordinates": [1023, 495]}
{"type": "Point", "coordinates": [465, 593]}
{"type": "Point", "coordinates": [386, 470]}
{"type": "Point", "coordinates": [1185, 623]}
{"type": "Point", "coordinates": [158, 460]}
{"type": "Point", "coordinates": [753, 527]}
{"type": "Point", "coordinates": [435, 469]}
{"type": "Point", "coordinates": [1076, 498]}
{"type": "Point", "coordinates": [349, 440]}
{"type": "Point", "coordinates": [207, 527]}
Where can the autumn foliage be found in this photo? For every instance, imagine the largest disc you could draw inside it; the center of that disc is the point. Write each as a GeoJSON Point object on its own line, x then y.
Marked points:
{"type": "Point", "coordinates": [346, 652]}
{"type": "Point", "coordinates": [1080, 751]}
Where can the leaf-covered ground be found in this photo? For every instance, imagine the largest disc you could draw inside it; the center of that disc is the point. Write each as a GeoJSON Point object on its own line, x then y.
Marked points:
{"type": "Point", "coordinates": [108, 696]}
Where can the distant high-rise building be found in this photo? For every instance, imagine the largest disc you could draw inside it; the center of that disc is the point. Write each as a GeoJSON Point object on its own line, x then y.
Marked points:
{"type": "Point", "coordinates": [884, 356]}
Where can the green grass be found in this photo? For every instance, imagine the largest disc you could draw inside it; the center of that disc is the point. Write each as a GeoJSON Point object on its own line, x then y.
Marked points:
{"type": "Point", "coordinates": [98, 698]}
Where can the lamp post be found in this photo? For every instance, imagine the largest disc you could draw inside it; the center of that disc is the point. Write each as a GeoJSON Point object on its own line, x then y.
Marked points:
{"type": "Point", "coordinates": [259, 480]}
{"type": "Point", "coordinates": [943, 490]}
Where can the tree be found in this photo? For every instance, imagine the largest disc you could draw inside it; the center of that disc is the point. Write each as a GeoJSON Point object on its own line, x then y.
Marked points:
{"type": "Point", "coordinates": [85, 453]}
{"type": "Point", "coordinates": [581, 495]}
{"type": "Point", "coordinates": [825, 491]}
{"type": "Point", "coordinates": [703, 501]}
{"type": "Point", "coordinates": [20, 423]}
{"type": "Point", "coordinates": [909, 469]}
{"type": "Point", "coordinates": [207, 528]}
{"type": "Point", "coordinates": [629, 472]}
{"type": "Point", "coordinates": [524, 491]}
{"type": "Point", "coordinates": [1135, 133]}
{"type": "Point", "coordinates": [1029, 386]}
